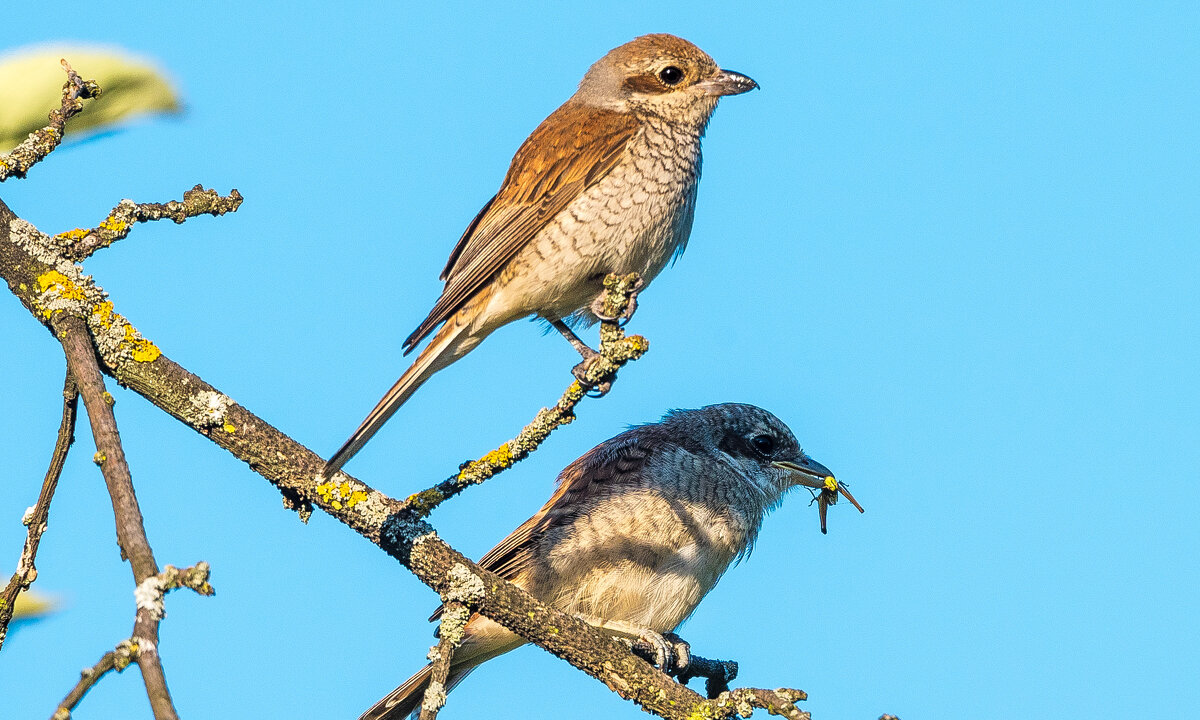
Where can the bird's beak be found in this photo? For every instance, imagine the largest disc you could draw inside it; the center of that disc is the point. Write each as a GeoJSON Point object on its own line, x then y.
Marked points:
{"type": "Point", "coordinates": [807, 472]}
{"type": "Point", "coordinates": [727, 82]}
{"type": "Point", "coordinates": [812, 474]}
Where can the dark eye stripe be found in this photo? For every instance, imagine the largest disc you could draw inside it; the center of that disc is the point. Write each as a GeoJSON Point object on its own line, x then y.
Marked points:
{"type": "Point", "coordinates": [648, 83]}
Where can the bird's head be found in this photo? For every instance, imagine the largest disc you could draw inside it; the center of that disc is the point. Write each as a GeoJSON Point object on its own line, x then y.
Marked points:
{"type": "Point", "coordinates": [755, 442]}
{"type": "Point", "coordinates": [661, 75]}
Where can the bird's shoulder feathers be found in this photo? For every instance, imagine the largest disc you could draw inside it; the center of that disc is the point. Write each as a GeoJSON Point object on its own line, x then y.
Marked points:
{"type": "Point", "coordinates": [607, 468]}
{"type": "Point", "coordinates": [574, 148]}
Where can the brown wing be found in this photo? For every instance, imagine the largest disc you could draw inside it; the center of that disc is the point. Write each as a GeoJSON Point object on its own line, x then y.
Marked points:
{"type": "Point", "coordinates": [569, 152]}
{"type": "Point", "coordinates": [606, 468]}
{"type": "Point", "coordinates": [466, 237]}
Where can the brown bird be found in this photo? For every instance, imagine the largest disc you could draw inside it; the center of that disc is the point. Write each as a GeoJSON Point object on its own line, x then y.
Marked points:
{"type": "Point", "coordinates": [639, 530]}
{"type": "Point", "coordinates": [606, 184]}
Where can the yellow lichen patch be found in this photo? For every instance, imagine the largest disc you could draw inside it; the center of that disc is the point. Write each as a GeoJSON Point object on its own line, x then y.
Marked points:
{"type": "Point", "coordinates": [229, 428]}
{"type": "Point", "coordinates": [104, 313]}
{"type": "Point", "coordinates": [113, 225]}
{"type": "Point", "coordinates": [73, 235]}
{"type": "Point", "coordinates": [326, 490]}
{"type": "Point", "coordinates": [702, 711]}
{"type": "Point", "coordinates": [501, 456]}
{"type": "Point", "coordinates": [140, 349]}
{"type": "Point", "coordinates": [51, 278]}
{"type": "Point", "coordinates": [341, 495]}
{"type": "Point", "coordinates": [145, 351]}
{"type": "Point", "coordinates": [62, 286]}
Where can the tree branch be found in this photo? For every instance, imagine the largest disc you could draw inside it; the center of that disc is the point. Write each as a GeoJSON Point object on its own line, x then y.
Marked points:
{"type": "Point", "coordinates": [47, 285]}
{"type": "Point", "coordinates": [78, 244]}
{"type": "Point", "coordinates": [149, 594]}
{"type": "Point", "coordinates": [38, 515]}
{"type": "Point", "coordinates": [117, 659]}
{"type": "Point", "coordinates": [450, 634]}
{"type": "Point", "coordinates": [43, 142]}
{"type": "Point", "coordinates": [131, 531]}
{"type": "Point", "coordinates": [615, 351]}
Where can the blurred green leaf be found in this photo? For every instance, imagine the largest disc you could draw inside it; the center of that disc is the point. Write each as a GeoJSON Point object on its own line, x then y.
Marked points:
{"type": "Point", "coordinates": [31, 81]}
{"type": "Point", "coordinates": [32, 604]}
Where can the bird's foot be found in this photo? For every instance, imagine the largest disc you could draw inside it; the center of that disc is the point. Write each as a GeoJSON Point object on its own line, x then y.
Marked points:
{"type": "Point", "coordinates": [668, 652]}
{"type": "Point", "coordinates": [580, 372]}
{"type": "Point", "coordinates": [598, 309]}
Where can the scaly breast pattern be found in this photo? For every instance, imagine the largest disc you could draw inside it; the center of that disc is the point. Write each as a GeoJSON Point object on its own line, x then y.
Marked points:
{"type": "Point", "coordinates": [634, 220]}
{"type": "Point", "coordinates": [645, 556]}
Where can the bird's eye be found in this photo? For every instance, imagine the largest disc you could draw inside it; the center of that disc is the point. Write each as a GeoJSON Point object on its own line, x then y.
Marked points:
{"type": "Point", "coordinates": [764, 444]}
{"type": "Point", "coordinates": [670, 75]}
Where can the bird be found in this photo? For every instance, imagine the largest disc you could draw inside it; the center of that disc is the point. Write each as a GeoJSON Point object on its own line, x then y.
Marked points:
{"type": "Point", "coordinates": [605, 184]}
{"type": "Point", "coordinates": [638, 530]}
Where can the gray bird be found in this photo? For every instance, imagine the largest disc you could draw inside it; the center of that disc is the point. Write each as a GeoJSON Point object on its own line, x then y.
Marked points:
{"type": "Point", "coordinates": [638, 531]}
{"type": "Point", "coordinates": [606, 184]}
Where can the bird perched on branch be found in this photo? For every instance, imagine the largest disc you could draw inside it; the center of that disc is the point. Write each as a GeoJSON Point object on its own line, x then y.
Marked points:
{"type": "Point", "coordinates": [639, 530]}
{"type": "Point", "coordinates": [606, 184]}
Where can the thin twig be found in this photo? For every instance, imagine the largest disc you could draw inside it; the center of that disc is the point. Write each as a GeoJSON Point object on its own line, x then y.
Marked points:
{"type": "Point", "coordinates": [79, 244]}
{"type": "Point", "coordinates": [149, 594]}
{"type": "Point", "coordinates": [131, 531]}
{"type": "Point", "coordinates": [742, 701]}
{"type": "Point", "coordinates": [450, 634]}
{"type": "Point", "coordinates": [117, 659]}
{"type": "Point", "coordinates": [42, 142]}
{"type": "Point", "coordinates": [38, 515]}
{"type": "Point", "coordinates": [615, 351]}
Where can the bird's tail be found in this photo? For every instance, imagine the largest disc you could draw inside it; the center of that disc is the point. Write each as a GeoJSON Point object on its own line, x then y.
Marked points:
{"type": "Point", "coordinates": [450, 343]}
{"type": "Point", "coordinates": [406, 699]}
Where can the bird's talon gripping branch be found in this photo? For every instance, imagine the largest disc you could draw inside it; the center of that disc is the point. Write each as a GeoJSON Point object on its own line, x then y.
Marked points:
{"type": "Point", "coordinates": [599, 390]}
{"type": "Point", "coordinates": [667, 651]}
{"type": "Point", "coordinates": [682, 651]}
{"type": "Point", "coordinates": [602, 308]}
{"type": "Point", "coordinates": [654, 649]}
{"type": "Point", "coordinates": [594, 389]}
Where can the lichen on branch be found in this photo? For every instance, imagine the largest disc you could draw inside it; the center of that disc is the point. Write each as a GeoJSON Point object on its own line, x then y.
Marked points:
{"type": "Point", "coordinates": [616, 349]}
{"type": "Point", "coordinates": [42, 142]}
{"type": "Point", "coordinates": [78, 244]}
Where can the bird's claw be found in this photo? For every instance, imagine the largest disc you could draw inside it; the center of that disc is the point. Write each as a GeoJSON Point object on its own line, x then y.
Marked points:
{"type": "Point", "coordinates": [668, 652]}
{"type": "Point", "coordinates": [682, 651]}
{"type": "Point", "coordinates": [580, 372]}
{"type": "Point", "coordinates": [597, 306]}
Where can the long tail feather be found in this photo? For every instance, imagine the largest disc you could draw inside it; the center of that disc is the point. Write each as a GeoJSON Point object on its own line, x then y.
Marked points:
{"type": "Point", "coordinates": [406, 699]}
{"type": "Point", "coordinates": [449, 344]}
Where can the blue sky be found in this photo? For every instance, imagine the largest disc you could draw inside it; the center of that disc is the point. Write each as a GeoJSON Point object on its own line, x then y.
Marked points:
{"type": "Point", "coordinates": [953, 246]}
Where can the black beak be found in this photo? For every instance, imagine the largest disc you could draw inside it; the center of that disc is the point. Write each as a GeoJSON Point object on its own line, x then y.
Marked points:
{"type": "Point", "coordinates": [807, 472]}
